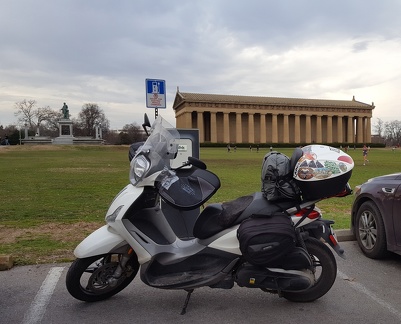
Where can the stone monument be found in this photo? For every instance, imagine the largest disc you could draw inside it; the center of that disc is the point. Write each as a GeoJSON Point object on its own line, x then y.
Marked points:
{"type": "Point", "coordinates": [65, 133]}
{"type": "Point", "coordinates": [65, 127]}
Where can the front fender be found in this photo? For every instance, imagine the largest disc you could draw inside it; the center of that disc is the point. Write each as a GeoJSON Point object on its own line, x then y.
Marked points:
{"type": "Point", "coordinates": [102, 241]}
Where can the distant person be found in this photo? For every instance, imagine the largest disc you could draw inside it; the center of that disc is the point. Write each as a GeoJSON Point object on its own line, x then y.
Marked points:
{"type": "Point", "coordinates": [271, 148]}
{"type": "Point", "coordinates": [365, 154]}
{"type": "Point", "coordinates": [257, 148]}
{"type": "Point", "coordinates": [228, 148]}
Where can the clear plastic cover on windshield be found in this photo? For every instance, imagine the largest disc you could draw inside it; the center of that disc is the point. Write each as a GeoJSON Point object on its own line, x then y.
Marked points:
{"type": "Point", "coordinates": [160, 147]}
{"type": "Point", "coordinates": [163, 139]}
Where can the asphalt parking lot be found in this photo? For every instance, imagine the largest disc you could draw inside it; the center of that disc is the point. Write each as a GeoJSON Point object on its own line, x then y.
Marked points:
{"type": "Point", "coordinates": [366, 291]}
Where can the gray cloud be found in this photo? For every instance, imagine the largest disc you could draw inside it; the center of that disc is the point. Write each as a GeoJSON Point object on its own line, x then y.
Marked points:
{"type": "Point", "coordinates": [360, 46]}
{"type": "Point", "coordinates": [102, 51]}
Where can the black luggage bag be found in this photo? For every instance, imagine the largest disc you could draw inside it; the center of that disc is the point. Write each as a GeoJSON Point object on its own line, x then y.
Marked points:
{"type": "Point", "coordinates": [265, 241]}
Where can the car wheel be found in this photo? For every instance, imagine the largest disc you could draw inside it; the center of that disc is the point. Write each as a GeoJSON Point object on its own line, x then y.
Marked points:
{"type": "Point", "coordinates": [370, 232]}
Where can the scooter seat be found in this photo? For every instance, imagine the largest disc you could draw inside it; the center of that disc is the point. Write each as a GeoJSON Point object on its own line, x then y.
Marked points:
{"type": "Point", "coordinates": [217, 217]}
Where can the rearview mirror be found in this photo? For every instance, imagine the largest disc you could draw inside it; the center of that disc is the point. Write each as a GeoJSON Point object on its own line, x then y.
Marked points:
{"type": "Point", "coordinates": [146, 124]}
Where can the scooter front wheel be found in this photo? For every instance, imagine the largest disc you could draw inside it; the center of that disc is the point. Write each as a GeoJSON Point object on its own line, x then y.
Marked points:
{"type": "Point", "coordinates": [91, 279]}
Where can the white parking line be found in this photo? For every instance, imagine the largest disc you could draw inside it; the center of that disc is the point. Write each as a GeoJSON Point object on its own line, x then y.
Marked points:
{"type": "Point", "coordinates": [38, 306]}
{"type": "Point", "coordinates": [361, 288]}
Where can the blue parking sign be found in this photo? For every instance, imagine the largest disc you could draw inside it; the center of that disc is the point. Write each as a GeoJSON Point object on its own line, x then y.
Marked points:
{"type": "Point", "coordinates": [155, 93]}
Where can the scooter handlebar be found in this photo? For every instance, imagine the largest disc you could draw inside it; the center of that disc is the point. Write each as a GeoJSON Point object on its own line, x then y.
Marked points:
{"type": "Point", "coordinates": [197, 163]}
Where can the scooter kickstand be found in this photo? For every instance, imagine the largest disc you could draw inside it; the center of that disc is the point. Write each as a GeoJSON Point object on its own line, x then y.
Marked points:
{"type": "Point", "coordinates": [184, 309]}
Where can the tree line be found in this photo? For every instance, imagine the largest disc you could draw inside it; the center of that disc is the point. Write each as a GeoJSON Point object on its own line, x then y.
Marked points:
{"type": "Point", "coordinates": [388, 133]}
{"type": "Point", "coordinates": [43, 121]}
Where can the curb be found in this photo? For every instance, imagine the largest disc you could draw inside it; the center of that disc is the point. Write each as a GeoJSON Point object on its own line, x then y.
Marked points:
{"type": "Point", "coordinates": [344, 235]}
{"type": "Point", "coordinates": [6, 262]}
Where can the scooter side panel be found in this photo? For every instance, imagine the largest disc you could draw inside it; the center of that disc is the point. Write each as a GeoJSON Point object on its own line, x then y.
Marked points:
{"type": "Point", "coordinates": [228, 242]}
{"type": "Point", "coordinates": [124, 198]}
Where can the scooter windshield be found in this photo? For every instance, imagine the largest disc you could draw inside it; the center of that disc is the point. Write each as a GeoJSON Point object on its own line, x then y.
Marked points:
{"type": "Point", "coordinates": [157, 151]}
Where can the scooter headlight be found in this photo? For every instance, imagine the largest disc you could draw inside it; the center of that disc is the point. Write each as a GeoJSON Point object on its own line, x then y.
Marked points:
{"type": "Point", "coordinates": [139, 166]}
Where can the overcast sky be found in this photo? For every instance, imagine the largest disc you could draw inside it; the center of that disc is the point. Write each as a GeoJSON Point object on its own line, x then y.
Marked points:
{"type": "Point", "coordinates": [102, 51]}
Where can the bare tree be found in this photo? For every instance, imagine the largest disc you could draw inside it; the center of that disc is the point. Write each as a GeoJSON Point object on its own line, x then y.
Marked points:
{"type": "Point", "coordinates": [52, 123]}
{"type": "Point", "coordinates": [28, 113]}
{"type": "Point", "coordinates": [392, 132]}
{"type": "Point", "coordinates": [90, 116]}
{"type": "Point", "coordinates": [45, 114]}
{"type": "Point", "coordinates": [131, 133]}
{"type": "Point", "coordinates": [379, 127]}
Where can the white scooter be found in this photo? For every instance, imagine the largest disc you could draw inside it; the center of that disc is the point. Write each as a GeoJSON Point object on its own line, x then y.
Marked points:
{"type": "Point", "coordinates": [138, 236]}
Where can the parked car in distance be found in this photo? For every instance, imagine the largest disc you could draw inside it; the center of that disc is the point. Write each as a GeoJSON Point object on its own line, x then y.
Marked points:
{"type": "Point", "coordinates": [376, 215]}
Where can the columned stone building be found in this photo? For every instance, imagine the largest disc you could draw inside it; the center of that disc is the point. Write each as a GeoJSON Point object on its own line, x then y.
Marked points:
{"type": "Point", "coordinates": [248, 119]}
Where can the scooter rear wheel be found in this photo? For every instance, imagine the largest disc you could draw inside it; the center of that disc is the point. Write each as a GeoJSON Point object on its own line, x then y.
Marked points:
{"type": "Point", "coordinates": [325, 266]}
{"type": "Point", "coordinates": [90, 279]}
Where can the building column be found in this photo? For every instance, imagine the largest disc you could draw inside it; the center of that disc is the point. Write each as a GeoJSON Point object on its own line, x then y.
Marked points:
{"type": "Point", "coordinates": [251, 128]}
{"type": "Point", "coordinates": [26, 130]}
{"type": "Point", "coordinates": [262, 128]}
{"type": "Point", "coordinates": [238, 128]}
{"type": "Point", "coordinates": [318, 129]}
{"type": "Point", "coordinates": [329, 129]}
{"type": "Point", "coordinates": [339, 129]}
{"type": "Point", "coordinates": [350, 130]}
{"type": "Point", "coordinates": [226, 128]}
{"type": "Point", "coordinates": [359, 130]}
{"type": "Point", "coordinates": [308, 130]}
{"type": "Point", "coordinates": [286, 133]}
{"type": "Point", "coordinates": [368, 136]}
{"type": "Point", "coordinates": [213, 127]}
{"type": "Point", "coordinates": [185, 120]}
{"type": "Point", "coordinates": [274, 129]}
{"type": "Point", "coordinates": [200, 126]}
{"type": "Point", "coordinates": [297, 129]}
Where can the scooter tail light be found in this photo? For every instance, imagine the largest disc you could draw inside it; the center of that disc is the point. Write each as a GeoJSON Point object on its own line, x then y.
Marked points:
{"type": "Point", "coordinates": [333, 239]}
{"type": "Point", "coordinates": [314, 214]}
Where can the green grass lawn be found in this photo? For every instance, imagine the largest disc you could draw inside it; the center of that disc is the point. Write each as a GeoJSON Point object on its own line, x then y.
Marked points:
{"type": "Point", "coordinates": [52, 196]}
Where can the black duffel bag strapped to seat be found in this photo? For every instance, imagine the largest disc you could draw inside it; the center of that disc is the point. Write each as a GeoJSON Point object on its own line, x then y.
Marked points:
{"type": "Point", "coordinates": [266, 240]}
